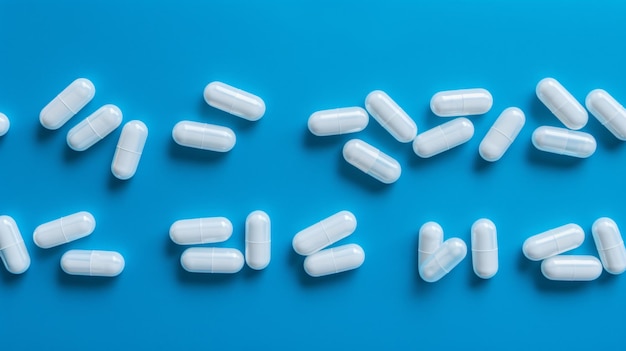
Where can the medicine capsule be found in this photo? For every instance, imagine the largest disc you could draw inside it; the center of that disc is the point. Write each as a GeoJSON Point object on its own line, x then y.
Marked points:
{"type": "Point", "coordinates": [553, 242]}
{"type": "Point", "coordinates": [463, 102]}
{"type": "Point", "coordinates": [443, 137]}
{"type": "Point", "coordinates": [234, 101]}
{"type": "Point", "coordinates": [324, 233]}
{"type": "Point", "coordinates": [390, 116]}
{"type": "Point", "coordinates": [94, 128]}
{"type": "Point", "coordinates": [608, 112]}
{"type": "Point", "coordinates": [561, 103]}
{"type": "Point", "coordinates": [564, 142]}
{"type": "Point", "coordinates": [92, 263]}
{"type": "Point", "coordinates": [502, 134]}
{"type": "Point", "coordinates": [129, 149]}
{"type": "Point", "coordinates": [211, 260]}
{"type": "Point", "coordinates": [571, 268]}
{"type": "Point", "coordinates": [430, 238]}
{"type": "Point", "coordinates": [372, 161]}
{"type": "Point", "coordinates": [5, 124]}
{"type": "Point", "coordinates": [338, 121]}
{"type": "Point", "coordinates": [201, 230]}
{"type": "Point", "coordinates": [484, 248]}
{"type": "Point", "coordinates": [204, 136]}
{"type": "Point", "coordinates": [64, 230]}
{"type": "Point", "coordinates": [65, 105]}
{"type": "Point", "coordinates": [442, 261]}
{"type": "Point", "coordinates": [258, 240]}
{"type": "Point", "coordinates": [336, 260]}
{"type": "Point", "coordinates": [610, 245]}
{"type": "Point", "coordinates": [12, 248]}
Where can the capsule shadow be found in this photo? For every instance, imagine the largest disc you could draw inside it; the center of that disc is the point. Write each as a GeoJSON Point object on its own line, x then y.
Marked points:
{"type": "Point", "coordinates": [543, 158]}
{"type": "Point", "coordinates": [480, 165]}
{"type": "Point", "coordinates": [43, 134]}
{"type": "Point", "coordinates": [185, 277]}
{"type": "Point", "coordinates": [219, 117]}
{"type": "Point", "coordinates": [524, 264]}
{"type": "Point", "coordinates": [116, 184]}
{"type": "Point", "coordinates": [540, 112]}
{"type": "Point", "coordinates": [43, 254]}
{"type": "Point", "coordinates": [192, 154]}
{"type": "Point", "coordinates": [88, 282]}
{"type": "Point", "coordinates": [70, 155]}
{"type": "Point", "coordinates": [560, 287]}
{"type": "Point", "coordinates": [171, 248]}
{"type": "Point", "coordinates": [603, 136]}
{"type": "Point", "coordinates": [297, 262]}
{"type": "Point", "coordinates": [417, 161]}
{"type": "Point", "coordinates": [354, 174]}
{"type": "Point", "coordinates": [9, 278]}
{"type": "Point", "coordinates": [607, 278]}
{"type": "Point", "coordinates": [317, 142]}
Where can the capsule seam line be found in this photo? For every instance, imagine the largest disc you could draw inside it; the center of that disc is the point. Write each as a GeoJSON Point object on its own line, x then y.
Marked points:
{"type": "Point", "coordinates": [504, 135]}
{"type": "Point", "coordinates": [444, 138]}
{"type": "Point", "coordinates": [332, 255]}
{"type": "Point", "coordinates": [489, 250]}
{"type": "Point", "coordinates": [612, 247]}
{"type": "Point", "coordinates": [90, 263]}
{"type": "Point", "coordinates": [63, 230]}
{"type": "Point", "coordinates": [440, 265]}
{"type": "Point", "coordinates": [10, 245]}
{"type": "Point", "coordinates": [236, 97]}
{"type": "Point", "coordinates": [326, 233]}
{"type": "Point", "coordinates": [94, 130]}
{"type": "Point", "coordinates": [64, 104]}
{"type": "Point", "coordinates": [556, 242]}
{"type": "Point", "coordinates": [127, 150]}
{"type": "Point", "coordinates": [201, 232]}
{"type": "Point", "coordinates": [258, 242]}
{"type": "Point", "coordinates": [212, 258]}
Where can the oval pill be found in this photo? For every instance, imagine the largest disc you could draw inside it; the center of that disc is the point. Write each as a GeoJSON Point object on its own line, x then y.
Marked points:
{"type": "Point", "coordinates": [443, 137]}
{"type": "Point", "coordinates": [92, 263]}
{"type": "Point", "coordinates": [608, 112]}
{"type": "Point", "coordinates": [129, 149]}
{"type": "Point", "coordinates": [338, 121]}
{"type": "Point", "coordinates": [234, 101]}
{"type": "Point", "coordinates": [430, 238]}
{"type": "Point", "coordinates": [462, 102]}
{"type": "Point", "coordinates": [65, 105]}
{"type": "Point", "coordinates": [553, 242]}
{"type": "Point", "coordinates": [64, 230]}
{"type": "Point", "coordinates": [201, 230]}
{"type": "Point", "coordinates": [561, 103]}
{"type": "Point", "coordinates": [94, 128]}
{"type": "Point", "coordinates": [336, 260]}
{"type": "Point", "coordinates": [564, 142]}
{"type": "Point", "coordinates": [442, 261]}
{"type": "Point", "coordinates": [324, 233]}
{"type": "Point", "coordinates": [502, 134]}
{"type": "Point", "coordinates": [12, 248]}
{"type": "Point", "coordinates": [5, 124]}
{"type": "Point", "coordinates": [372, 161]}
{"type": "Point", "coordinates": [211, 260]}
{"type": "Point", "coordinates": [391, 116]}
{"type": "Point", "coordinates": [484, 248]}
{"type": "Point", "coordinates": [258, 240]}
{"type": "Point", "coordinates": [204, 136]}
{"type": "Point", "coordinates": [610, 245]}
{"type": "Point", "coordinates": [571, 268]}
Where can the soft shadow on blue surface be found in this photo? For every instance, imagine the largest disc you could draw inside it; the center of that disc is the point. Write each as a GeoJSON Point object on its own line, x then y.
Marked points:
{"type": "Point", "coordinates": [319, 142]}
{"type": "Point", "coordinates": [296, 262]}
{"type": "Point", "coordinates": [418, 162]}
{"type": "Point", "coordinates": [115, 184]}
{"type": "Point", "coordinates": [539, 112]}
{"type": "Point", "coordinates": [10, 278]}
{"type": "Point", "coordinates": [549, 159]}
{"type": "Point", "coordinates": [195, 155]}
{"type": "Point", "coordinates": [532, 269]}
{"type": "Point", "coordinates": [607, 142]}
{"type": "Point", "coordinates": [85, 282]}
{"type": "Point", "coordinates": [43, 134]}
{"type": "Point", "coordinates": [70, 155]}
{"type": "Point", "coordinates": [480, 165]}
{"type": "Point", "coordinates": [188, 278]}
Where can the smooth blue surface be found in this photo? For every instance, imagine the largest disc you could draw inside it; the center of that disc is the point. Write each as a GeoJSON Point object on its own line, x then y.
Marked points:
{"type": "Point", "coordinates": [153, 60]}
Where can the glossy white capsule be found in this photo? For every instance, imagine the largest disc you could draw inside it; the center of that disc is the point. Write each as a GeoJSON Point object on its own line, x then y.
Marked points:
{"type": "Point", "coordinates": [391, 116]}
{"type": "Point", "coordinates": [129, 149]}
{"type": "Point", "coordinates": [442, 261]}
{"type": "Point", "coordinates": [338, 121]}
{"type": "Point", "coordinates": [201, 230]}
{"type": "Point", "coordinates": [561, 103]}
{"type": "Point", "coordinates": [94, 128]}
{"type": "Point", "coordinates": [336, 260]}
{"type": "Point", "coordinates": [484, 248]}
{"type": "Point", "coordinates": [92, 263]}
{"type": "Point", "coordinates": [372, 161]}
{"type": "Point", "coordinates": [610, 245]}
{"type": "Point", "coordinates": [553, 242]}
{"type": "Point", "coordinates": [64, 230]}
{"type": "Point", "coordinates": [65, 105]}
{"type": "Point", "coordinates": [430, 238]}
{"type": "Point", "coordinates": [443, 137]}
{"type": "Point", "coordinates": [502, 134]}
{"type": "Point", "coordinates": [564, 142]}
{"type": "Point", "coordinates": [324, 233]}
{"type": "Point", "coordinates": [571, 268]}
{"type": "Point", "coordinates": [463, 102]}
{"type": "Point", "coordinates": [5, 124]}
{"type": "Point", "coordinates": [211, 260]}
{"type": "Point", "coordinates": [12, 248]}
{"type": "Point", "coordinates": [234, 101]}
{"type": "Point", "coordinates": [204, 136]}
{"type": "Point", "coordinates": [258, 240]}
{"type": "Point", "coordinates": [608, 112]}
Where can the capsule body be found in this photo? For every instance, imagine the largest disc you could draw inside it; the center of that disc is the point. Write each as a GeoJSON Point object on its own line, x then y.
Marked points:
{"type": "Point", "coordinates": [201, 230]}
{"type": "Point", "coordinates": [553, 242]}
{"type": "Point", "coordinates": [5, 124]}
{"type": "Point", "coordinates": [462, 102]}
{"type": "Point", "coordinates": [484, 248]}
{"type": "Point", "coordinates": [443, 137]}
{"type": "Point", "coordinates": [12, 248]}
{"type": "Point", "coordinates": [234, 101]}
{"type": "Point", "coordinates": [564, 142]}
{"type": "Point", "coordinates": [430, 238]}
{"type": "Point", "coordinates": [129, 149]}
{"type": "Point", "coordinates": [64, 230]}
{"type": "Point", "coordinates": [608, 112]}
{"type": "Point", "coordinates": [92, 263]}
{"type": "Point", "coordinates": [571, 268]}
{"type": "Point", "coordinates": [204, 136]}
{"type": "Point", "coordinates": [211, 260]}
{"type": "Point", "coordinates": [561, 103]}
{"type": "Point", "coordinates": [610, 245]}
{"type": "Point", "coordinates": [324, 233]}
{"type": "Point", "coordinates": [442, 261]}
{"type": "Point", "coordinates": [65, 105]}
{"type": "Point", "coordinates": [94, 128]}
{"type": "Point", "coordinates": [502, 134]}
{"type": "Point", "coordinates": [391, 116]}
{"type": "Point", "coordinates": [258, 240]}
{"type": "Point", "coordinates": [338, 121]}
{"type": "Point", "coordinates": [372, 161]}
{"type": "Point", "coordinates": [336, 260]}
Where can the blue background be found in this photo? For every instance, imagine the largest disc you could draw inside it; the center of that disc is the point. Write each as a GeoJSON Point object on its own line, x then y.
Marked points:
{"type": "Point", "coordinates": [153, 60]}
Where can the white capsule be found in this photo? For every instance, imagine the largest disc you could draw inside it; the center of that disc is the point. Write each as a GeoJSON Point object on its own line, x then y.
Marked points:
{"type": "Point", "coordinates": [234, 101]}
{"type": "Point", "coordinates": [64, 230]}
{"type": "Point", "coordinates": [12, 248]}
{"type": "Point", "coordinates": [484, 248]}
{"type": "Point", "coordinates": [201, 230]}
{"type": "Point", "coordinates": [463, 102]}
{"type": "Point", "coordinates": [561, 103]}
{"type": "Point", "coordinates": [338, 121]}
{"type": "Point", "coordinates": [258, 240]}
{"type": "Point", "coordinates": [564, 142]}
{"type": "Point", "coordinates": [336, 260]}
{"type": "Point", "coordinates": [430, 238]}
{"type": "Point", "coordinates": [92, 263]}
{"type": "Point", "coordinates": [5, 124]}
{"type": "Point", "coordinates": [502, 134]}
{"type": "Point", "coordinates": [571, 268]}
{"type": "Point", "coordinates": [443, 137]}
{"type": "Point", "coordinates": [608, 112]}
{"type": "Point", "coordinates": [391, 116]}
{"type": "Point", "coordinates": [324, 233]}
{"type": "Point", "coordinates": [204, 136]}
{"type": "Point", "coordinates": [553, 242]}
{"type": "Point", "coordinates": [94, 128]}
{"type": "Point", "coordinates": [610, 245]}
{"type": "Point", "coordinates": [372, 161]}
{"type": "Point", "coordinates": [129, 148]}
{"type": "Point", "coordinates": [65, 105]}
{"type": "Point", "coordinates": [442, 261]}
{"type": "Point", "coordinates": [211, 260]}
